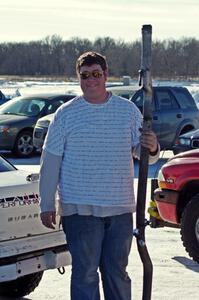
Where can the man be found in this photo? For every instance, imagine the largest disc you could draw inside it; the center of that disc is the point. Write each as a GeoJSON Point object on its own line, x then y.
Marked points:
{"type": "Point", "coordinates": [88, 155]}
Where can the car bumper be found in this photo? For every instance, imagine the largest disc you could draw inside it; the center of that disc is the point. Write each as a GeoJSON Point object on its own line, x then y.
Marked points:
{"type": "Point", "coordinates": [23, 256]}
{"type": "Point", "coordinates": [39, 261]}
{"type": "Point", "coordinates": [167, 201]}
{"type": "Point", "coordinates": [7, 141]}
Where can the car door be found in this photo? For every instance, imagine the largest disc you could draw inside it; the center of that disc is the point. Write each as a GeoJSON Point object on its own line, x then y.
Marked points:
{"type": "Point", "coordinates": [167, 116]}
{"type": "Point", "coordinates": [137, 99]}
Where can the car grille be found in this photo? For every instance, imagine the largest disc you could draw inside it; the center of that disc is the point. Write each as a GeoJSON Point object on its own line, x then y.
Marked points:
{"type": "Point", "coordinates": [38, 134]}
{"type": "Point", "coordinates": [195, 143]}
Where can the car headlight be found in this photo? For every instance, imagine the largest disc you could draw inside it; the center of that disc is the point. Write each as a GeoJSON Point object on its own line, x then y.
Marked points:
{"type": "Point", "coordinates": [184, 141]}
{"type": "Point", "coordinates": [4, 128]}
{"type": "Point", "coordinates": [160, 176]}
{"type": "Point", "coordinates": [43, 123]}
{"type": "Point", "coordinates": [164, 182]}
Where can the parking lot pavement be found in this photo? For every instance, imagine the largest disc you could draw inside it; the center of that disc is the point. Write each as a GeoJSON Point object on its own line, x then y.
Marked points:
{"type": "Point", "coordinates": [175, 275]}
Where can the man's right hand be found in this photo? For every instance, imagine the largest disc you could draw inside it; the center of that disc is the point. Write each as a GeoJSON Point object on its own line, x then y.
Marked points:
{"type": "Point", "coordinates": [48, 219]}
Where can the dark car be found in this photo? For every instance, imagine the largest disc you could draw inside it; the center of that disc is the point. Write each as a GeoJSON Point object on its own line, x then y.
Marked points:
{"type": "Point", "coordinates": [187, 141]}
{"type": "Point", "coordinates": [174, 113]}
{"type": "Point", "coordinates": [19, 116]}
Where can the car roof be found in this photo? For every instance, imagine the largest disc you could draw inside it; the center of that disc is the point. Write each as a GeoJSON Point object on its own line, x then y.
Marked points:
{"type": "Point", "coordinates": [121, 88]}
{"type": "Point", "coordinates": [47, 95]}
{"type": "Point", "coordinates": [168, 87]}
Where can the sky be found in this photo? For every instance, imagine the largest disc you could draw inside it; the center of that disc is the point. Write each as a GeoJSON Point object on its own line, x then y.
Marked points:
{"type": "Point", "coordinates": [27, 20]}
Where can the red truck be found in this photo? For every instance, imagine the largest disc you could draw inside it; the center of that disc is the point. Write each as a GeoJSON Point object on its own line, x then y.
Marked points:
{"type": "Point", "coordinates": [176, 199]}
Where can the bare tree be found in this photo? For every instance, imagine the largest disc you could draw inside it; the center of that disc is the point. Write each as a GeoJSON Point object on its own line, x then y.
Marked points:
{"type": "Point", "coordinates": [56, 57]}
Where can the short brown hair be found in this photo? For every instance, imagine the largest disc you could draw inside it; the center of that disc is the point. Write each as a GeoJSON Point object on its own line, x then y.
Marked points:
{"type": "Point", "coordinates": [91, 58]}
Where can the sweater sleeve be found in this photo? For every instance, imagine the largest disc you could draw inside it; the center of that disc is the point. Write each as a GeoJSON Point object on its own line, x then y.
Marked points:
{"type": "Point", "coordinates": [49, 177]}
{"type": "Point", "coordinates": [152, 158]}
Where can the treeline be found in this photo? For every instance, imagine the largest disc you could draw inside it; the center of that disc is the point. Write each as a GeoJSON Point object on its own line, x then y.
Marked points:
{"type": "Point", "coordinates": [54, 56]}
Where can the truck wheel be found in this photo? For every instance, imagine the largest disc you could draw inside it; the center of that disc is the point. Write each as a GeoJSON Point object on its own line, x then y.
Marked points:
{"type": "Point", "coordinates": [190, 228]}
{"type": "Point", "coordinates": [23, 146]}
{"type": "Point", "coordinates": [21, 286]}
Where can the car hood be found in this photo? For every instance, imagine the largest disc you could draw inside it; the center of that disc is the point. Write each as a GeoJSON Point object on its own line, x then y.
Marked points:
{"type": "Point", "coordinates": [191, 134]}
{"type": "Point", "coordinates": [191, 155]}
{"type": "Point", "coordinates": [47, 118]}
{"type": "Point", "coordinates": [9, 119]}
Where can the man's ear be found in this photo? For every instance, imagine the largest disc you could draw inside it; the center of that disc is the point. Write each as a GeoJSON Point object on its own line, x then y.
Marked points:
{"type": "Point", "coordinates": [106, 74]}
{"type": "Point", "coordinates": [78, 76]}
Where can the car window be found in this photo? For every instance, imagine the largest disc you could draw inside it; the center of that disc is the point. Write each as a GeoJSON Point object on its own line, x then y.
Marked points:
{"type": "Point", "coordinates": [52, 107]}
{"type": "Point", "coordinates": [137, 99]}
{"type": "Point", "coordinates": [5, 166]}
{"type": "Point", "coordinates": [35, 107]}
{"type": "Point", "coordinates": [23, 107]}
{"type": "Point", "coordinates": [125, 95]}
{"type": "Point", "coordinates": [165, 100]}
{"type": "Point", "coordinates": [183, 98]}
{"type": "Point", "coordinates": [122, 91]}
{"type": "Point", "coordinates": [57, 102]}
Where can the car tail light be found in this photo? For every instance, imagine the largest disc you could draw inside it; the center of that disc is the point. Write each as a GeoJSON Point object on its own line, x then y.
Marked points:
{"type": "Point", "coordinates": [4, 129]}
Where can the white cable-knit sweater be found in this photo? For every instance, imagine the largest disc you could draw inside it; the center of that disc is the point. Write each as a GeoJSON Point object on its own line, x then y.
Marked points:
{"type": "Point", "coordinates": [95, 142]}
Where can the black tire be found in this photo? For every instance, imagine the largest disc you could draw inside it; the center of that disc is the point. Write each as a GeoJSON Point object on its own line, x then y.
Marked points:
{"type": "Point", "coordinates": [21, 286]}
{"type": "Point", "coordinates": [175, 152]}
{"type": "Point", "coordinates": [190, 228]}
{"type": "Point", "coordinates": [23, 146]}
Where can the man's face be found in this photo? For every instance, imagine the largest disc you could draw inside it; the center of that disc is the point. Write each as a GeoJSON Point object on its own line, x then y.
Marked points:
{"type": "Point", "coordinates": [92, 80]}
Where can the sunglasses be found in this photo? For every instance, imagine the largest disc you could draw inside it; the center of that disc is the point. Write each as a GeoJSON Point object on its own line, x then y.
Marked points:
{"type": "Point", "coordinates": [95, 74]}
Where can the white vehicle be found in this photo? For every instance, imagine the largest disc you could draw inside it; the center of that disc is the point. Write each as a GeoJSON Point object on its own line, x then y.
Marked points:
{"type": "Point", "coordinates": [27, 248]}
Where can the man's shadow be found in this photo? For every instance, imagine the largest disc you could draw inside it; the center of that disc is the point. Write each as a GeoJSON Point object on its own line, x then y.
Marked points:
{"type": "Point", "coordinates": [9, 298]}
{"type": "Point", "coordinates": [187, 262]}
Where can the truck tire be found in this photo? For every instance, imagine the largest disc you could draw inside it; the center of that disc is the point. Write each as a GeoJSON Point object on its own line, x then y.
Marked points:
{"type": "Point", "coordinates": [190, 228]}
{"type": "Point", "coordinates": [21, 286]}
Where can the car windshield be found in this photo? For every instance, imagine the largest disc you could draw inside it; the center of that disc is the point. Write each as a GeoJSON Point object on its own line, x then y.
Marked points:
{"type": "Point", "coordinates": [23, 107]}
{"type": "Point", "coordinates": [5, 166]}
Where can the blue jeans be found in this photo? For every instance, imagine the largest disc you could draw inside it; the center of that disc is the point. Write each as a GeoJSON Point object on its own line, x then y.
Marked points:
{"type": "Point", "coordinates": [99, 242]}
